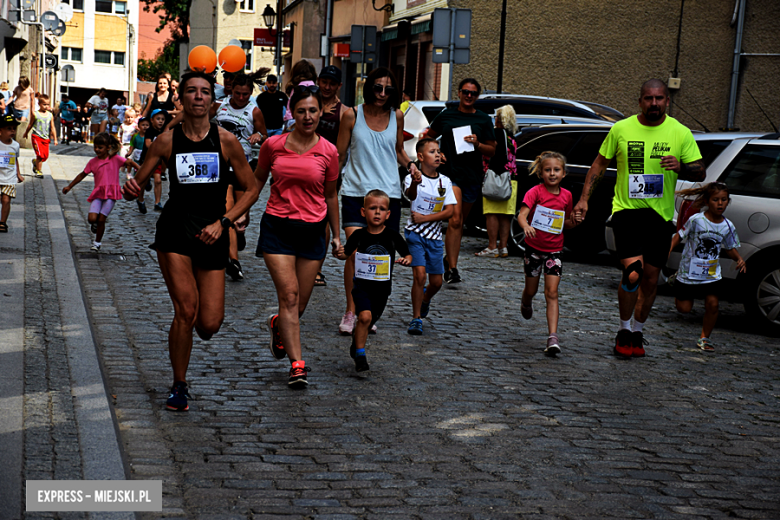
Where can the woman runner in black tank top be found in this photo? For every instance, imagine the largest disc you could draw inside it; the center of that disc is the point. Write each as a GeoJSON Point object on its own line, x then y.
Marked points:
{"type": "Point", "coordinates": [190, 239]}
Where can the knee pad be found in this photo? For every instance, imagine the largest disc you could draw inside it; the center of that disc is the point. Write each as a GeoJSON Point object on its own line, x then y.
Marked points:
{"type": "Point", "coordinates": [626, 283]}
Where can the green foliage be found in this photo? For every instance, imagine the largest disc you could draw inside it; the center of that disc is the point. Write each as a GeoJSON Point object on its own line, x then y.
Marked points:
{"type": "Point", "coordinates": [174, 14]}
{"type": "Point", "coordinates": [167, 60]}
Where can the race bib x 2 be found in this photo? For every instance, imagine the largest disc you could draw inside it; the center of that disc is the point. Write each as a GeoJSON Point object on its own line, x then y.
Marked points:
{"type": "Point", "coordinates": [645, 186]}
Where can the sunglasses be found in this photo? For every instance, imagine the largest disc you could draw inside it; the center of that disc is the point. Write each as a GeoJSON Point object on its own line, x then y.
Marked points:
{"type": "Point", "coordinates": [307, 88]}
{"type": "Point", "coordinates": [472, 93]}
{"type": "Point", "coordinates": [387, 89]}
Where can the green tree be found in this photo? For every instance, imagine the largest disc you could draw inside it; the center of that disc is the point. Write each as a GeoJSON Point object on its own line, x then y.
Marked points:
{"type": "Point", "coordinates": [174, 14]}
{"type": "Point", "coordinates": [167, 60]}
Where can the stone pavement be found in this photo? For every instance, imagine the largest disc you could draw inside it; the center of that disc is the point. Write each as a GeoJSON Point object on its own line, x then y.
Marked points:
{"type": "Point", "coordinates": [468, 421]}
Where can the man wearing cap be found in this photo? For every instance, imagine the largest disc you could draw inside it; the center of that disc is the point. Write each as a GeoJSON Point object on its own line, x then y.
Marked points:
{"type": "Point", "coordinates": [272, 103]}
{"type": "Point", "coordinates": [329, 82]}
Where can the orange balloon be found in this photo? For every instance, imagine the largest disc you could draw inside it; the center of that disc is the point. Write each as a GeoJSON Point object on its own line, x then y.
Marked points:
{"type": "Point", "coordinates": [232, 58]}
{"type": "Point", "coordinates": [202, 59]}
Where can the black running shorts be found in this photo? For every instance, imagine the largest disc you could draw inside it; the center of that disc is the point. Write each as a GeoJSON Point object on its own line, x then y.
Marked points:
{"type": "Point", "coordinates": [642, 232]}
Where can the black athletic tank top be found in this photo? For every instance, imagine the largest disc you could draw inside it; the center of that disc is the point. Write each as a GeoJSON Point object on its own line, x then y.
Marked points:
{"type": "Point", "coordinates": [166, 105]}
{"type": "Point", "coordinates": [329, 124]}
{"type": "Point", "coordinates": [199, 177]}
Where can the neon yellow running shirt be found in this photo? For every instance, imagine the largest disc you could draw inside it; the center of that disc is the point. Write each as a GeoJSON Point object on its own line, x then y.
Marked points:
{"type": "Point", "coordinates": [641, 181]}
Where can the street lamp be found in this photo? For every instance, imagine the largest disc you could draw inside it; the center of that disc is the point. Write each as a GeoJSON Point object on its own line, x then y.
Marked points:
{"type": "Point", "coordinates": [269, 19]}
{"type": "Point", "coordinates": [269, 16]}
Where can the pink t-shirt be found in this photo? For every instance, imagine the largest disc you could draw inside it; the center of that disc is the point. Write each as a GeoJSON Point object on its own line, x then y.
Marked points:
{"type": "Point", "coordinates": [298, 190]}
{"type": "Point", "coordinates": [539, 196]}
{"type": "Point", "coordinates": [106, 172]}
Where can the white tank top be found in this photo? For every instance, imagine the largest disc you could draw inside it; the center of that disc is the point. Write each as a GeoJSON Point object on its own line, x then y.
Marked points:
{"type": "Point", "coordinates": [238, 122]}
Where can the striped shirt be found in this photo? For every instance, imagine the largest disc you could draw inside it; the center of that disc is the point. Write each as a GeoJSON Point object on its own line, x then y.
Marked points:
{"type": "Point", "coordinates": [433, 193]}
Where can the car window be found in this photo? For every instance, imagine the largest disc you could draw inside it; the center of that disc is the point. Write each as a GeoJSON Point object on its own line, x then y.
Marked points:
{"type": "Point", "coordinates": [711, 149]}
{"type": "Point", "coordinates": [559, 142]}
{"type": "Point", "coordinates": [755, 171]}
{"type": "Point", "coordinates": [431, 113]}
{"type": "Point", "coordinates": [587, 148]}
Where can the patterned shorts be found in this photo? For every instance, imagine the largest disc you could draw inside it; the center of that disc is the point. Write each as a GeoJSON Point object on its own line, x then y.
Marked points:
{"type": "Point", "coordinates": [538, 261]}
{"type": "Point", "coordinates": [8, 189]}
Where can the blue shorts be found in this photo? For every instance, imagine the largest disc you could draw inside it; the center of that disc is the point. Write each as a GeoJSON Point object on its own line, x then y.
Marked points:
{"type": "Point", "coordinates": [274, 131]}
{"type": "Point", "coordinates": [470, 192]}
{"type": "Point", "coordinates": [425, 251]}
{"type": "Point", "coordinates": [19, 114]}
{"type": "Point", "coordinates": [351, 217]}
{"type": "Point", "coordinates": [285, 236]}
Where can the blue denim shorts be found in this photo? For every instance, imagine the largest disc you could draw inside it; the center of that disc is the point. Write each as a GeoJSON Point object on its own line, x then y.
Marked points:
{"type": "Point", "coordinates": [425, 251]}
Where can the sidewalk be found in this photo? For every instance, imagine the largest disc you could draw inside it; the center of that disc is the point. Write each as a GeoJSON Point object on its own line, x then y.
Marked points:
{"type": "Point", "coordinates": [56, 420]}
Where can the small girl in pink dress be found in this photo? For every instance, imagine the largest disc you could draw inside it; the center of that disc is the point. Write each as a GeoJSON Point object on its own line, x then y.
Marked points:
{"type": "Point", "coordinates": [105, 167]}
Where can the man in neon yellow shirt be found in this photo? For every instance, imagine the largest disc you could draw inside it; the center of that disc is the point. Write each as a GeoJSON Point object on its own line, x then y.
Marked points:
{"type": "Point", "coordinates": [653, 150]}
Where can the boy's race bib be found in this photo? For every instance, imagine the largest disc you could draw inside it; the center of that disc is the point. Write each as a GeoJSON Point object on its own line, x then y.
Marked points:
{"type": "Point", "coordinates": [372, 267]}
{"type": "Point", "coordinates": [550, 220]}
{"type": "Point", "coordinates": [703, 269]}
{"type": "Point", "coordinates": [7, 159]}
{"type": "Point", "coordinates": [197, 168]}
{"type": "Point", "coordinates": [645, 186]}
{"type": "Point", "coordinates": [426, 204]}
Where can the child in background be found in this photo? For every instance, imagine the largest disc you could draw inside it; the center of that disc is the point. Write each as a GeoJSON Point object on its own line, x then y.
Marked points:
{"type": "Point", "coordinates": [10, 175]}
{"type": "Point", "coordinates": [120, 108]}
{"type": "Point", "coordinates": [126, 131]}
{"type": "Point", "coordinates": [158, 119]}
{"type": "Point", "coordinates": [42, 126]}
{"type": "Point", "coordinates": [114, 123]}
{"type": "Point", "coordinates": [432, 202]}
{"type": "Point", "coordinates": [376, 246]}
{"type": "Point", "coordinates": [699, 275]}
{"type": "Point", "coordinates": [105, 168]}
{"type": "Point", "coordinates": [550, 207]}
{"type": "Point", "coordinates": [134, 153]}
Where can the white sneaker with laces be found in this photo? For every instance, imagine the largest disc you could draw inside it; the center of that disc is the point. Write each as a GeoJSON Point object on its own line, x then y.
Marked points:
{"type": "Point", "coordinates": [347, 324]}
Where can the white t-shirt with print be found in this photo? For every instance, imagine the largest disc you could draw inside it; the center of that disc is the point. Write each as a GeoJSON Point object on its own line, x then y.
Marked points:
{"type": "Point", "coordinates": [100, 104]}
{"type": "Point", "coordinates": [9, 155]}
{"type": "Point", "coordinates": [703, 242]}
{"type": "Point", "coordinates": [433, 194]}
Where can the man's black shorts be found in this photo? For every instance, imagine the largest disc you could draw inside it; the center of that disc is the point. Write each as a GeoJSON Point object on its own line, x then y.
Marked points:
{"type": "Point", "coordinates": [642, 232]}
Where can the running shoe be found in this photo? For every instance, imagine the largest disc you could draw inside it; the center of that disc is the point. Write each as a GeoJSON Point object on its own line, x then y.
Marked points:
{"type": "Point", "coordinates": [526, 312]}
{"type": "Point", "coordinates": [705, 344]}
{"type": "Point", "coordinates": [361, 363]}
{"type": "Point", "coordinates": [638, 343]}
{"type": "Point", "coordinates": [277, 349]}
{"type": "Point", "coordinates": [233, 269]}
{"type": "Point", "coordinates": [488, 253]}
{"type": "Point", "coordinates": [38, 174]}
{"type": "Point", "coordinates": [164, 176]}
{"type": "Point", "coordinates": [148, 186]}
{"type": "Point", "coordinates": [177, 399]}
{"type": "Point", "coordinates": [95, 247]}
{"type": "Point", "coordinates": [447, 272]}
{"type": "Point", "coordinates": [158, 207]}
{"type": "Point", "coordinates": [454, 276]}
{"type": "Point", "coordinates": [623, 344]}
{"type": "Point", "coordinates": [347, 324]}
{"type": "Point", "coordinates": [553, 347]}
{"type": "Point", "coordinates": [141, 206]}
{"type": "Point", "coordinates": [503, 252]}
{"type": "Point", "coordinates": [415, 327]}
{"type": "Point", "coordinates": [298, 374]}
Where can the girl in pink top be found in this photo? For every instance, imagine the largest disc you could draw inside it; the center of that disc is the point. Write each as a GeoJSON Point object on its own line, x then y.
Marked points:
{"type": "Point", "coordinates": [550, 209]}
{"type": "Point", "coordinates": [105, 167]}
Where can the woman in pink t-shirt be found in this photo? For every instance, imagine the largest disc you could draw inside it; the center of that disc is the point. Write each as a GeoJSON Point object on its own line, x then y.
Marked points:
{"type": "Point", "coordinates": [292, 232]}
{"type": "Point", "coordinates": [105, 167]}
{"type": "Point", "coordinates": [549, 207]}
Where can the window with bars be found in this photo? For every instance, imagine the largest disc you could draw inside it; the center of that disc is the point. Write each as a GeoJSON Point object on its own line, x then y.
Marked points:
{"type": "Point", "coordinates": [248, 46]}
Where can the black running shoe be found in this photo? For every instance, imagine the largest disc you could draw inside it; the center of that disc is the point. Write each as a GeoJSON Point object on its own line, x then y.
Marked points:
{"type": "Point", "coordinates": [277, 349]}
{"type": "Point", "coordinates": [93, 227]}
{"type": "Point", "coordinates": [233, 269]}
{"type": "Point", "coordinates": [141, 206]}
{"type": "Point", "coordinates": [177, 400]}
{"type": "Point", "coordinates": [623, 344]}
{"type": "Point", "coordinates": [638, 343]}
{"type": "Point", "coordinates": [454, 276]}
{"type": "Point", "coordinates": [361, 364]}
{"type": "Point", "coordinates": [298, 375]}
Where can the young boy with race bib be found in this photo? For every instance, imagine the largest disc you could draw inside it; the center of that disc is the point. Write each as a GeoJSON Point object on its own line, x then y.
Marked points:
{"type": "Point", "coordinates": [550, 208]}
{"type": "Point", "coordinates": [376, 246]}
{"type": "Point", "coordinates": [10, 175]}
{"type": "Point", "coordinates": [432, 202]}
{"type": "Point", "coordinates": [699, 275]}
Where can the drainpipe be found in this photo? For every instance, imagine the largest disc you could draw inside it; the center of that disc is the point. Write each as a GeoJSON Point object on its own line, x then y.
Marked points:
{"type": "Point", "coordinates": [735, 68]}
{"type": "Point", "coordinates": [328, 31]}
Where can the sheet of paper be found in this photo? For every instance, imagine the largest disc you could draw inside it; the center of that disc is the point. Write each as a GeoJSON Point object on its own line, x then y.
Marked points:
{"type": "Point", "coordinates": [459, 134]}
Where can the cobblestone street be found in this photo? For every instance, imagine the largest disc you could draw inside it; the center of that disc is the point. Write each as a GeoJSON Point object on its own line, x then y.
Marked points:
{"type": "Point", "coordinates": [468, 421]}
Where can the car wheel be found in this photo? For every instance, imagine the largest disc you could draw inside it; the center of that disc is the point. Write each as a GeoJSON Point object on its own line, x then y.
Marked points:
{"type": "Point", "coordinates": [763, 294]}
{"type": "Point", "coordinates": [516, 240]}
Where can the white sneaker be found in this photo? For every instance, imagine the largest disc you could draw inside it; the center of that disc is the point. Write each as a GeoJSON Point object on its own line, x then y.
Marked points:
{"type": "Point", "coordinates": [503, 252]}
{"type": "Point", "coordinates": [347, 324]}
{"type": "Point", "coordinates": [95, 247]}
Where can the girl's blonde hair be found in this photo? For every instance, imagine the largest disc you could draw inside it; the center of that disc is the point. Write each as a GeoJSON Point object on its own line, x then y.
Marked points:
{"type": "Point", "coordinates": [704, 193]}
{"type": "Point", "coordinates": [106, 139]}
{"type": "Point", "coordinates": [536, 166]}
{"type": "Point", "coordinates": [506, 114]}
{"type": "Point", "coordinates": [4, 85]}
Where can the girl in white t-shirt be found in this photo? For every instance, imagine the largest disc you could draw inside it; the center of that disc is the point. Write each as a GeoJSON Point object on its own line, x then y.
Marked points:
{"type": "Point", "coordinates": [699, 275]}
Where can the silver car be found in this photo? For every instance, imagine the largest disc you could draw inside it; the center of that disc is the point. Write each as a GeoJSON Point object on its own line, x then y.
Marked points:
{"type": "Point", "coordinates": [750, 167]}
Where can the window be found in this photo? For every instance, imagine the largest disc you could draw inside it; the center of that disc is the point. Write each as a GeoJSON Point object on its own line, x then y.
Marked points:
{"type": "Point", "coordinates": [71, 54]}
{"type": "Point", "coordinates": [247, 6]}
{"type": "Point", "coordinates": [119, 58]}
{"type": "Point", "coordinates": [120, 7]}
{"type": "Point", "coordinates": [104, 6]}
{"type": "Point", "coordinates": [247, 46]}
{"type": "Point", "coordinates": [102, 56]}
{"type": "Point", "coordinates": [711, 149]}
{"type": "Point", "coordinates": [755, 171]}
{"type": "Point", "coordinates": [587, 149]}
{"type": "Point", "coordinates": [77, 5]}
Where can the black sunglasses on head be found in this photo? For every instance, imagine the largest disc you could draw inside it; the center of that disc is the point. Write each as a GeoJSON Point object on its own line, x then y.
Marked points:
{"type": "Point", "coordinates": [307, 88]}
{"type": "Point", "coordinates": [472, 93]}
{"type": "Point", "coordinates": [389, 90]}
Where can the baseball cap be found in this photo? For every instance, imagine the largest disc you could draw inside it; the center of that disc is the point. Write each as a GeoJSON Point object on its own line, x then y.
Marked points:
{"type": "Point", "coordinates": [331, 72]}
{"type": "Point", "coordinates": [8, 120]}
{"type": "Point", "coordinates": [158, 111]}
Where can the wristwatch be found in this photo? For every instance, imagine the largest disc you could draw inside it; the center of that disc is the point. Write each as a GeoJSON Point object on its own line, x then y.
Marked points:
{"type": "Point", "coordinates": [226, 223]}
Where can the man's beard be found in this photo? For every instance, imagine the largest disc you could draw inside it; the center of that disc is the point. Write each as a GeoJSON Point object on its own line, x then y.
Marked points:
{"type": "Point", "coordinates": [654, 116]}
